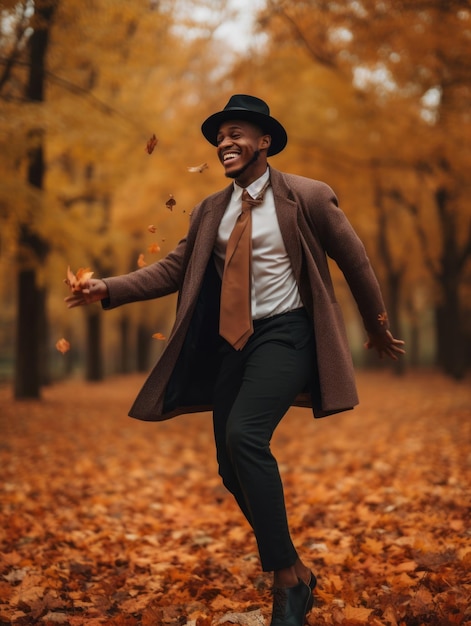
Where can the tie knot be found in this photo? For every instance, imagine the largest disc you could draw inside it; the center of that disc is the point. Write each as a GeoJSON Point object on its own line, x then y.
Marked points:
{"type": "Point", "coordinates": [248, 202]}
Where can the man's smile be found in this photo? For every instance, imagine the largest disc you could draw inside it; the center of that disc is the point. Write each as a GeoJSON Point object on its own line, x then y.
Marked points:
{"type": "Point", "coordinates": [230, 156]}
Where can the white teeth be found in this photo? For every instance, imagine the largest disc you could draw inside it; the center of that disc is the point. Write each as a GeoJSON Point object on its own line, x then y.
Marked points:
{"type": "Point", "coordinates": [230, 155]}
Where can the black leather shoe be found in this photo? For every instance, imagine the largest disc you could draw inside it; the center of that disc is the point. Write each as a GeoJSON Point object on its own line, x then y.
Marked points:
{"type": "Point", "coordinates": [312, 586]}
{"type": "Point", "coordinates": [291, 604]}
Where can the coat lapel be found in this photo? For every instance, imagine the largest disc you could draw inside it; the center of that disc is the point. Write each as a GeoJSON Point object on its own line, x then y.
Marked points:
{"type": "Point", "coordinates": [212, 214]}
{"type": "Point", "coordinates": [286, 212]}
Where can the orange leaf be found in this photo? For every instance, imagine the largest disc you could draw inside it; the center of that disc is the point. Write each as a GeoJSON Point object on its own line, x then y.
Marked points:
{"type": "Point", "coordinates": [63, 345]}
{"type": "Point", "coordinates": [78, 281]}
{"type": "Point", "coordinates": [359, 615]}
{"type": "Point", "coordinates": [158, 336]}
{"type": "Point", "coordinates": [151, 228]}
{"type": "Point", "coordinates": [141, 261]}
{"type": "Point", "coordinates": [154, 248]}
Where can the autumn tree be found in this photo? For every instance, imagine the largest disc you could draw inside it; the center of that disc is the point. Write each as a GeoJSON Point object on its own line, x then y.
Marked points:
{"type": "Point", "coordinates": [29, 51]}
{"type": "Point", "coordinates": [135, 76]}
{"type": "Point", "coordinates": [116, 73]}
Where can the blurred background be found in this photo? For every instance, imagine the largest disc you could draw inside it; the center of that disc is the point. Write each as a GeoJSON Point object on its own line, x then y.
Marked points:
{"type": "Point", "coordinates": [375, 96]}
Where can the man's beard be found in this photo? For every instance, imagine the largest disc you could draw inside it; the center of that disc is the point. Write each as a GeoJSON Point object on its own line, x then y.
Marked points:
{"type": "Point", "coordinates": [238, 173]}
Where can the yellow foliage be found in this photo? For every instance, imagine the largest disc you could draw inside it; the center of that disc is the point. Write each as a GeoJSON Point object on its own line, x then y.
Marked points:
{"type": "Point", "coordinates": [353, 84]}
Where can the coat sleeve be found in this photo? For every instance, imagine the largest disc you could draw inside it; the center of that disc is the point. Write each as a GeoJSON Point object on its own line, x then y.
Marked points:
{"type": "Point", "coordinates": [153, 281]}
{"type": "Point", "coordinates": [341, 243]}
{"type": "Point", "coordinates": [158, 279]}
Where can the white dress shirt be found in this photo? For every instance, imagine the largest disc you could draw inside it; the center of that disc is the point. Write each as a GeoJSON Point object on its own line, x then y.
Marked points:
{"type": "Point", "coordinates": [274, 288]}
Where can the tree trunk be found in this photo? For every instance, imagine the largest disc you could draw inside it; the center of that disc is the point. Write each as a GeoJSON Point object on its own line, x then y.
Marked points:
{"type": "Point", "coordinates": [394, 272]}
{"type": "Point", "coordinates": [450, 338]}
{"type": "Point", "coordinates": [31, 316]}
{"type": "Point", "coordinates": [26, 382]}
{"type": "Point", "coordinates": [125, 352]}
{"type": "Point", "coordinates": [143, 347]}
{"type": "Point", "coordinates": [448, 314]}
{"type": "Point", "coordinates": [394, 280]}
{"type": "Point", "coordinates": [44, 339]}
{"type": "Point", "coordinates": [94, 356]}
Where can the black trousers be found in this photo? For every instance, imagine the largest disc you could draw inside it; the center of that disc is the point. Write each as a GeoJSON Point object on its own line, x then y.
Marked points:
{"type": "Point", "coordinates": [255, 388]}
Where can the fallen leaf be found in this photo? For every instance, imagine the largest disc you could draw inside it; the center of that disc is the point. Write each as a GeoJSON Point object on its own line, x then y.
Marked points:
{"type": "Point", "coordinates": [159, 336]}
{"type": "Point", "coordinates": [57, 617]}
{"type": "Point", "coordinates": [153, 538]}
{"type": "Point", "coordinates": [154, 248]}
{"type": "Point", "coordinates": [390, 616]}
{"type": "Point", "coordinates": [360, 614]}
{"type": "Point", "coordinates": [151, 228]}
{"type": "Point", "coordinates": [434, 561]}
{"type": "Point", "coordinates": [251, 618]}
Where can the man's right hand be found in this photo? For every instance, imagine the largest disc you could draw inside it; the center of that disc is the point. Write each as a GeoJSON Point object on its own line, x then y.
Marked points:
{"type": "Point", "coordinates": [94, 290]}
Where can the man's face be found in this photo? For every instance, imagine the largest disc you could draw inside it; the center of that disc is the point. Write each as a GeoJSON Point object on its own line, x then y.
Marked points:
{"type": "Point", "coordinates": [240, 144]}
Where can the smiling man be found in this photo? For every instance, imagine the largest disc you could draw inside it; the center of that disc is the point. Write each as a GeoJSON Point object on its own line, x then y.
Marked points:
{"type": "Point", "coordinates": [257, 327]}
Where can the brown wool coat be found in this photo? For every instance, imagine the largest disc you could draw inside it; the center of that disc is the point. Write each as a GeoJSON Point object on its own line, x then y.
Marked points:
{"type": "Point", "coordinates": [312, 227]}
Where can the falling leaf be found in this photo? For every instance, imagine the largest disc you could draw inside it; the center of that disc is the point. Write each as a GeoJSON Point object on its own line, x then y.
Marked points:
{"type": "Point", "coordinates": [151, 228]}
{"type": "Point", "coordinates": [141, 261]}
{"type": "Point", "coordinates": [152, 142]}
{"type": "Point", "coordinates": [77, 281]}
{"type": "Point", "coordinates": [63, 345]}
{"type": "Point", "coordinates": [154, 248]}
{"type": "Point", "coordinates": [171, 202]}
{"type": "Point", "coordinates": [198, 168]}
{"type": "Point", "coordinates": [158, 336]}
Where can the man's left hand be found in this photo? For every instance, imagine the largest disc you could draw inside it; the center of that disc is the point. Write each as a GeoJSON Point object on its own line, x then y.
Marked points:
{"type": "Point", "coordinates": [385, 344]}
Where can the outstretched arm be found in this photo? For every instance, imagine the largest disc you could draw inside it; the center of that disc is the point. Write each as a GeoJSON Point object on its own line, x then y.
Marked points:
{"type": "Point", "coordinates": [153, 281]}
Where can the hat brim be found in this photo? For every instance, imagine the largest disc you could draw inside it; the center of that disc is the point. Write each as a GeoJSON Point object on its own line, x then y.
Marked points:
{"type": "Point", "coordinates": [268, 124]}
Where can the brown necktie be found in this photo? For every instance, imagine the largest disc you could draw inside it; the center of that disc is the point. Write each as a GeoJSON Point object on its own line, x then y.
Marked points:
{"type": "Point", "coordinates": [235, 322]}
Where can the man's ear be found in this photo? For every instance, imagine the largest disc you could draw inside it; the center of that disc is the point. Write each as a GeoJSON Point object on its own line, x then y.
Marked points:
{"type": "Point", "coordinates": [265, 142]}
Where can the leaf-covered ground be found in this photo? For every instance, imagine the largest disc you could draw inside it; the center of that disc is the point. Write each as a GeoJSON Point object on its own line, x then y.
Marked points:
{"type": "Point", "coordinates": [108, 520]}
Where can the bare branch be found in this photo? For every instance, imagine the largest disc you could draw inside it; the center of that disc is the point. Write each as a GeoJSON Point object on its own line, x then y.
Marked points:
{"type": "Point", "coordinates": [12, 59]}
{"type": "Point", "coordinates": [397, 195]}
{"type": "Point", "coordinates": [317, 53]}
{"type": "Point", "coordinates": [75, 89]}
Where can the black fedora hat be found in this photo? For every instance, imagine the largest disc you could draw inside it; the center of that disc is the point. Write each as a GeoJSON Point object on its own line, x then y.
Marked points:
{"type": "Point", "coordinates": [250, 109]}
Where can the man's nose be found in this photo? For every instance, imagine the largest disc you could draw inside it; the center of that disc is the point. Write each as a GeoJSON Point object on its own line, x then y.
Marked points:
{"type": "Point", "coordinates": [223, 143]}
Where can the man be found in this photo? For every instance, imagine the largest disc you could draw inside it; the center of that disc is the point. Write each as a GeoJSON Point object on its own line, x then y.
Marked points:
{"type": "Point", "coordinates": [292, 349]}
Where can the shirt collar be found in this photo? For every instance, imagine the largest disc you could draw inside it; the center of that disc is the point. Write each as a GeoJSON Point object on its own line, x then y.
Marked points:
{"type": "Point", "coordinates": [256, 187]}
